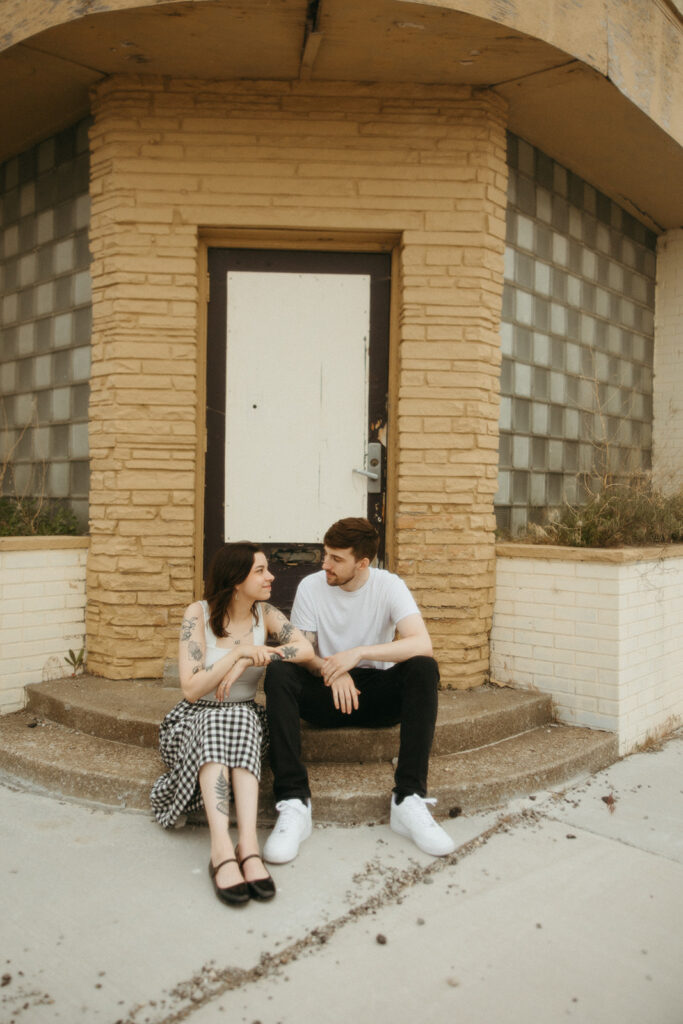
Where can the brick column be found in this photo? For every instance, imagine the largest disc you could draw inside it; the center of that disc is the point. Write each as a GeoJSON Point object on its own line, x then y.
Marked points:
{"type": "Point", "coordinates": [424, 163]}
{"type": "Point", "coordinates": [449, 399]}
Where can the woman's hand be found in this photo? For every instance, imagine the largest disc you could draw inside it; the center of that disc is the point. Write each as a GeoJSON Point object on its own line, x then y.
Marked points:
{"type": "Point", "coordinates": [258, 654]}
{"type": "Point", "coordinates": [223, 688]}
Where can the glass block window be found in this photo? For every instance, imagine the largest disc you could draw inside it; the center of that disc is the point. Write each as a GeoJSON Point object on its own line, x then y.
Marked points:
{"type": "Point", "coordinates": [577, 340]}
{"type": "Point", "coordinates": [45, 320]}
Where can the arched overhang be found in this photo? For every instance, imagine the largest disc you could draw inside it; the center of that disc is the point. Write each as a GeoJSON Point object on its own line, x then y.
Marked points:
{"type": "Point", "coordinates": [595, 90]}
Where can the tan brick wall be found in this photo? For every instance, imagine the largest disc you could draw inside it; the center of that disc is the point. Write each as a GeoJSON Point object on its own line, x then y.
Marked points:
{"type": "Point", "coordinates": [425, 163]}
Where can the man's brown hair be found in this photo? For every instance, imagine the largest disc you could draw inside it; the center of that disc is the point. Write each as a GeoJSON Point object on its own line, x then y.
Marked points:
{"type": "Point", "coordinates": [355, 533]}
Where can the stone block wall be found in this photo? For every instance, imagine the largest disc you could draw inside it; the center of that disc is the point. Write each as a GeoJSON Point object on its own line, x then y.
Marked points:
{"type": "Point", "coordinates": [42, 611]}
{"type": "Point", "coordinates": [667, 426]}
{"type": "Point", "coordinates": [598, 630]}
{"type": "Point", "coordinates": [577, 340]}
{"type": "Point", "coordinates": [422, 165]}
{"type": "Point", "coordinates": [45, 320]}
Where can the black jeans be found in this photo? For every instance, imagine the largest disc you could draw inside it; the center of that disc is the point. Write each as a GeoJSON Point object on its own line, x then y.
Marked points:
{"type": "Point", "coordinates": [406, 693]}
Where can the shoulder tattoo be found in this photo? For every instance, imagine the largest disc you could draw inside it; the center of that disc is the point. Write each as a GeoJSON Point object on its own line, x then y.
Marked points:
{"type": "Point", "coordinates": [187, 628]}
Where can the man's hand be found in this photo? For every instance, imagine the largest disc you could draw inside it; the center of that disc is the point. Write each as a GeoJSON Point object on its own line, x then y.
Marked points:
{"type": "Point", "coordinates": [344, 694]}
{"type": "Point", "coordinates": [339, 664]}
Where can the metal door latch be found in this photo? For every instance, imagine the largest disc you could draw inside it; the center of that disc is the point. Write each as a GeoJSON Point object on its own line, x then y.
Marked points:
{"type": "Point", "coordinates": [374, 473]}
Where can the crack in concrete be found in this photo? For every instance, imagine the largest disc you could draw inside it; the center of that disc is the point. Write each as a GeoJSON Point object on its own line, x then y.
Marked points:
{"type": "Point", "coordinates": [212, 982]}
{"type": "Point", "coordinates": [598, 834]}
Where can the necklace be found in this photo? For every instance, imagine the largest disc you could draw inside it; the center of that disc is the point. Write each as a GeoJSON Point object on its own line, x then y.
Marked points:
{"type": "Point", "coordinates": [237, 638]}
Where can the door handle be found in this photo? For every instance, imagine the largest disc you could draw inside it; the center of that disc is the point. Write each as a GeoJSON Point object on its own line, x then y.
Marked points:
{"type": "Point", "coordinates": [374, 472]}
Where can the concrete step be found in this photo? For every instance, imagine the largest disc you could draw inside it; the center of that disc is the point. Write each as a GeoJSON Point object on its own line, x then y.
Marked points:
{"type": "Point", "coordinates": [467, 781]}
{"type": "Point", "coordinates": [129, 711]}
{"type": "Point", "coordinates": [68, 763]}
{"type": "Point", "coordinates": [126, 710]}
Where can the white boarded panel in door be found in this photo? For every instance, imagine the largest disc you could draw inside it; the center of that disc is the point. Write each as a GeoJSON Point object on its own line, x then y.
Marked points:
{"type": "Point", "coordinates": [296, 403]}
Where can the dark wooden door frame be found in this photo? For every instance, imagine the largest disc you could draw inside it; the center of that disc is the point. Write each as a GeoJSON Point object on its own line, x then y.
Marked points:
{"type": "Point", "coordinates": [220, 261]}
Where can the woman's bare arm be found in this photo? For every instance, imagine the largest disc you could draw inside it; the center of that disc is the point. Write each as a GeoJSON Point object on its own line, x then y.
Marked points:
{"type": "Point", "coordinates": [195, 680]}
{"type": "Point", "coordinates": [292, 644]}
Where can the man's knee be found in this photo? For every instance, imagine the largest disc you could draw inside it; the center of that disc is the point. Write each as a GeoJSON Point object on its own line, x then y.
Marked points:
{"type": "Point", "coordinates": [282, 677]}
{"type": "Point", "coordinates": [423, 670]}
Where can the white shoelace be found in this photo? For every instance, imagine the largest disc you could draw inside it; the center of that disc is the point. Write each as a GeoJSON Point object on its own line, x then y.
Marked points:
{"type": "Point", "coordinates": [418, 812]}
{"type": "Point", "coordinates": [288, 815]}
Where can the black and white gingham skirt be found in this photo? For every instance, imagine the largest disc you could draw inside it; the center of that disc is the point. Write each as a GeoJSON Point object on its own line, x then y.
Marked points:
{"type": "Point", "coordinates": [234, 734]}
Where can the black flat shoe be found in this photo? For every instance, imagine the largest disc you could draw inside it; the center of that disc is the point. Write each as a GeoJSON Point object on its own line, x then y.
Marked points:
{"type": "Point", "coordinates": [262, 888]}
{"type": "Point", "coordinates": [234, 895]}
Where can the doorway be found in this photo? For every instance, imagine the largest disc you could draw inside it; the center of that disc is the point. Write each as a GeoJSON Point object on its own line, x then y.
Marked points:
{"type": "Point", "coordinates": [297, 390]}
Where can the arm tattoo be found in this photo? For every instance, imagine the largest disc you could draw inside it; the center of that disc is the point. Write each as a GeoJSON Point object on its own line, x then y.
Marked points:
{"type": "Point", "coordinates": [286, 629]}
{"type": "Point", "coordinates": [312, 639]}
{"type": "Point", "coordinates": [222, 790]}
{"type": "Point", "coordinates": [285, 634]}
{"type": "Point", "coordinates": [187, 628]}
{"type": "Point", "coordinates": [287, 653]}
{"type": "Point", "coordinates": [194, 650]}
{"type": "Point", "coordinates": [196, 669]}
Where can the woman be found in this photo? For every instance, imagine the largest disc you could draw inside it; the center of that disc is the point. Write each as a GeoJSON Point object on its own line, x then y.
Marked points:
{"type": "Point", "coordinates": [212, 741]}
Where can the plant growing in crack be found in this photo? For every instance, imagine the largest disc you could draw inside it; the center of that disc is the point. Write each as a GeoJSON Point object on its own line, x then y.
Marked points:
{"type": "Point", "coordinates": [76, 659]}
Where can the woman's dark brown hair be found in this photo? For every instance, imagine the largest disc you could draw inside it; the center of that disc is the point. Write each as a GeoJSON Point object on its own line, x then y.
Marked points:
{"type": "Point", "coordinates": [229, 567]}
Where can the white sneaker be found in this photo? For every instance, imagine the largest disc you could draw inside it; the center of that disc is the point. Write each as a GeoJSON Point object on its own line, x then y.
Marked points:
{"type": "Point", "coordinates": [412, 818]}
{"type": "Point", "coordinates": [294, 824]}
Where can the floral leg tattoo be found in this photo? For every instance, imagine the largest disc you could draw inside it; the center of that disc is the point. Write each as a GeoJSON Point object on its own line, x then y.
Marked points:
{"type": "Point", "coordinates": [222, 791]}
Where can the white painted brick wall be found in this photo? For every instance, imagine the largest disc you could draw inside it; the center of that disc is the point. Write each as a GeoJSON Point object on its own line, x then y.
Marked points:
{"type": "Point", "coordinates": [42, 610]}
{"type": "Point", "coordinates": [603, 637]}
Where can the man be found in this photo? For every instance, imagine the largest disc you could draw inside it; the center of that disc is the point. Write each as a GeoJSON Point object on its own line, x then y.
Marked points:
{"type": "Point", "coordinates": [359, 676]}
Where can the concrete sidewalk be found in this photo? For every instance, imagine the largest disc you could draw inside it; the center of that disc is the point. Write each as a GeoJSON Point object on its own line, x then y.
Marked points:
{"type": "Point", "coordinates": [561, 906]}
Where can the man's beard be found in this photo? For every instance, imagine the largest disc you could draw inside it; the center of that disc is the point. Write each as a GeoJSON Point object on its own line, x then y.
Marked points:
{"type": "Point", "coordinates": [336, 581]}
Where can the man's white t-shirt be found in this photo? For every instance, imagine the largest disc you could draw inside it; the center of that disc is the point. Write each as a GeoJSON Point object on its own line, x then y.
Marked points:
{"type": "Point", "coordinates": [352, 618]}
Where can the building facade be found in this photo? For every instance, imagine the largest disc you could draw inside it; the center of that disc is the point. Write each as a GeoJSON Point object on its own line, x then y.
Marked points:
{"type": "Point", "coordinates": [450, 231]}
